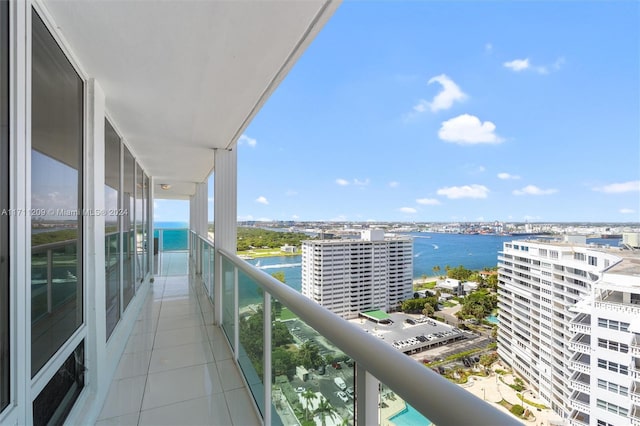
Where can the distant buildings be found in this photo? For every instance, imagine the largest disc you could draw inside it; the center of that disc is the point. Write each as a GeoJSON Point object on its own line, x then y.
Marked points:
{"type": "Point", "coordinates": [570, 325]}
{"type": "Point", "coordinates": [349, 276]}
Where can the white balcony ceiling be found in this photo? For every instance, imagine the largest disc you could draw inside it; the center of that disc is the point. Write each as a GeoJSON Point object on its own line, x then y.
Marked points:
{"type": "Point", "coordinates": [183, 78]}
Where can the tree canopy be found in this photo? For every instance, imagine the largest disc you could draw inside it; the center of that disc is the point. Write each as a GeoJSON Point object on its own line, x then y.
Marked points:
{"type": "Point", "coordinates": [256, 237]}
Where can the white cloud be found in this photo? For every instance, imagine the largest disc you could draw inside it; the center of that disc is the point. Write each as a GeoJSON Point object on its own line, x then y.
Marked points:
{"type": "Point", "coordinates": [262, 200]}
{"type": "Point", "coordinates": [617, 188]}
{"type": "Point", "coordinates": [488, 47]}
{"type": "Point", "coordinates": [428, 201]}
{"type": "Point", "coordinates": [444, 100]}
{"type": "Point", "coordinates": [517, 64]}
{"type": "Point", "coordinates": [245, 218]}
{"type": "Point", "coordinates": [466, 191]}
{"type": "Point", "coordinates": [291, 193]}
{"type": "Point", "coordinates": [627, 211]}
{"type": "Point", "coordinates": [358, 182]}
{"type": "Point", "coordinates": [468, 129]}
{"type": "Point", "coordinates": [342, 182]}
{"type": "Point", "coordinates": [246, 140]}
{"type": "Point", "coordinates": [295, 217]}
{"type": "Point", "coordinates": [534, 190]}
{"type": "Point", "coordinates": [393, 184]}
{"type": "Point", "coordinates": [409, 210]}
{"type": "Point", "coordinates": [507, 176]}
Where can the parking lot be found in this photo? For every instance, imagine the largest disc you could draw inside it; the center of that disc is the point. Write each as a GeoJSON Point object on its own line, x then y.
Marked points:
{"type": "Point", "coordinates": [412, 334]}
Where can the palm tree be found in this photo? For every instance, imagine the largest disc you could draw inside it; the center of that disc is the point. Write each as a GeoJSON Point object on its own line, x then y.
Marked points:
{"type": "Point", "coordinates": [325, 410]}
{"type": "Point", "coordinates": [436, 270]}
{"type": "Point", "coordinates": [308, 395]}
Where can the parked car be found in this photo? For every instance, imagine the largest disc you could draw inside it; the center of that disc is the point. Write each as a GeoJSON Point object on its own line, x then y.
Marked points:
{"type": "Point", "coordinates": [342, 396]}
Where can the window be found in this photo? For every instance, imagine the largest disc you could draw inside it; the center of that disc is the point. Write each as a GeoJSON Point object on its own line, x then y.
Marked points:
{"type": "Point", "coordinates": [613, 387]}
{"type": "Point", "coordinates": [613, 325]}
{"type": "Point", "coordinates": [128, 223]}
{"type": "Point", "coordinates": [612, 366]}
{"type": "Point", "coordinates": [56, 223]}
{"type": "Point", "coordinates": [553, 254]}
{"type": "Point", "coordinates": [580, 257]}
{"type": "Point", "coordinates": [612, 408]}
{"type": "Point", "coordinates": [112, 226]}
{"type": "Point", "coordinates": [614, 346]}
{"type": "Point", "coordinates": [593, 261]}
{"type": "Point", "coordinates": [4, 204]}
{"type": "Point", "coordinates": [54, 402]}
{"type": "Point", "coordinates": [542, 252]}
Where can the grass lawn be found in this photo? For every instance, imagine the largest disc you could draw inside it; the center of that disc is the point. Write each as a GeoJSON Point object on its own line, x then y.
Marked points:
{"type": "Point", "coordinates": [286, 314]}
{"type": "Point", "coordinates": [257, 253]}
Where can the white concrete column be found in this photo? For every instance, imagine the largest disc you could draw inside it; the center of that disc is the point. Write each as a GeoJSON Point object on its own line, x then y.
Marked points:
{"type": "Point", "coordinates": [225, 216]}
{"type": "Point", "coordinates": [94, 256]}
{"type": "Point", "coordinates": [150, 226]}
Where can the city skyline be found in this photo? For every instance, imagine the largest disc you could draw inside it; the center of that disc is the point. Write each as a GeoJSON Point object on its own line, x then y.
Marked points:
{"type": "Point", "coordinates": [452, 112]}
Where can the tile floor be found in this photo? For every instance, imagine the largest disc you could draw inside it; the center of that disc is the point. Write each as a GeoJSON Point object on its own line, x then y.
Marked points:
{"type": "Point", "coordinates": [177, 368]}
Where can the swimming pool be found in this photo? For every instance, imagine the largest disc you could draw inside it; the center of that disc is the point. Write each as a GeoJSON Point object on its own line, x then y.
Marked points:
{"type": "Point", "coordinates": [410, 417]}
{"type": "Point", "coordinates": [492, 319]}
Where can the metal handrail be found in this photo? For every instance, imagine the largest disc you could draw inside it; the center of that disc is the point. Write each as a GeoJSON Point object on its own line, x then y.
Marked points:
{"type": "Point", "coordinates": [443, 402]}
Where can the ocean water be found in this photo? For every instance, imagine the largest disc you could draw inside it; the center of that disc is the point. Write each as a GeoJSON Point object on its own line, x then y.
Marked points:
{"type": "Point", "coordinates": [429, 249]}
{"type": "Point", "coordinates": [175, 235]}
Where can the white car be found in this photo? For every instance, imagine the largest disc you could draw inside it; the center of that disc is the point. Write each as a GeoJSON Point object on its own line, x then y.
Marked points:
{"type": "Point", "coordinates": [342, 396]}
{"type": "Point", "coordinates": [300, 389]}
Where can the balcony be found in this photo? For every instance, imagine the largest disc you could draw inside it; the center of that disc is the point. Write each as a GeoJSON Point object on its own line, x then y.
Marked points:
{"type": "Point", "coordinates": [635, 416]}
{"type": "Point", "coordinates": [580, 401]}
{"type": "Point", "coordinates": [581, 324]}
{"type": "Point", "coordinates": [581, 382]}
{"type": "Point", "coordinates": [181, 366]}
{"type": "Point", "coordinates": [635, 393]}
{"type": "Point", "coordinates": [613, 301]}
{"type": "Point", "coordinates": [579, 418]}
{"type": "Point", "coordinates": [581, 363]}
{"type": "Point", "coordinates": [635, 347]}
{"type": "Point", "coordinates": [582, 343]}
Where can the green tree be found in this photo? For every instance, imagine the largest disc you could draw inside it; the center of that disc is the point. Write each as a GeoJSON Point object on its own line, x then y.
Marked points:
{"type": "Point", "coordinates": [308, 396]}
{"type": "Point", "coordinates": [284, 362]}
{"type": "Point", "coordinates": [325, 410]}
{"type": "Point", "coordinates": [309, 356]}
{"type": "Point", "coordinates": [428, 310]}
{"type": "Point", "coordinates": [436, 270]}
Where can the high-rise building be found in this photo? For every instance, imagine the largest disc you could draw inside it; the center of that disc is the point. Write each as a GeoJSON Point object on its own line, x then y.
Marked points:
{"type": "Point", "coordinates": [349, 276]}
{"type": "Point", "coordinates": [570, 326]}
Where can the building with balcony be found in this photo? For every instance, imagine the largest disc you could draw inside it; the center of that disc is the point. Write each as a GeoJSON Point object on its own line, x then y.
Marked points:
{"type": "Point", "coordinates": [568, 323]}
{"type": "Point", "coordinates": [350, 276]}
{"type": "Point", "coordinates": [106, 107]}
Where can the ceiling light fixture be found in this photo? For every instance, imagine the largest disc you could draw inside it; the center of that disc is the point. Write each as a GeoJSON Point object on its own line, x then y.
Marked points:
{"type": "Point", "coordinates": [165, 186]}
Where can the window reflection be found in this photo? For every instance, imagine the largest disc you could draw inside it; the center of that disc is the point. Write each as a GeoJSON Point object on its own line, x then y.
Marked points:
{"type": "Point", "coordinates": [56, 158]}
{"type": "Point", "coordinates": [4, 204]}
{"type": "Point", "coordinates": [112, 227]}
{"type": "Point", "coordinates": [128, 262]}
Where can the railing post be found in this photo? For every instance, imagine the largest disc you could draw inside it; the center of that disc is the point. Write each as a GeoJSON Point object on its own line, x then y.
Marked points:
{"type": "Point", "coordinates": [49, 281]}
{"type": "Point", "coordinates": [366, 392]}
{"type": "Point", "coordinates": [267, 358]}
{"type": "Point", "coordinates": [236, 315]}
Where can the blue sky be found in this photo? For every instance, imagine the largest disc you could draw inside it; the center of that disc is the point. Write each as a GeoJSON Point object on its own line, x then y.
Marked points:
{"type": "Point", "coordinates": [449, 111]}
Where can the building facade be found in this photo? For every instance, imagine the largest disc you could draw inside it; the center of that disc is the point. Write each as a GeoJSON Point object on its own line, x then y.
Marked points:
{"type": "Point", "coordinates": [569, 324]}
{"type": "Point", "coordinates": [351, 276]}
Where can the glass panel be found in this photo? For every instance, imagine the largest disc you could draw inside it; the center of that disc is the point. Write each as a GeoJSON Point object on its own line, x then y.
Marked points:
{"type": "Point", "coordinates": [139, 215]}
{"type": "Point", "coordinates": [228, 302]}
{"type": "Point", "coordinates": [148, 247]}
{"type": "Point", "coordinates": [313, 381]}
{"type": "Point", "coordinates": [56, 159]}
{"type": "Point", "coordinates": [251, 331]}
{"type": "Point", "coordinates": [111, 226]}
{"type": "Point", "coordinates": [128, 248]}
{"type": "Point", "coordinates": [4, 204]}
{"type": "Point", "coordinates": [393, 410]}
{"type": "Point", "coordinates": [55, 401]}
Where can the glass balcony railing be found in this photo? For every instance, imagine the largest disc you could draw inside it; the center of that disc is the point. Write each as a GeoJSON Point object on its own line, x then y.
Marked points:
{"type": "Point", "coordinates": [309, 366]}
